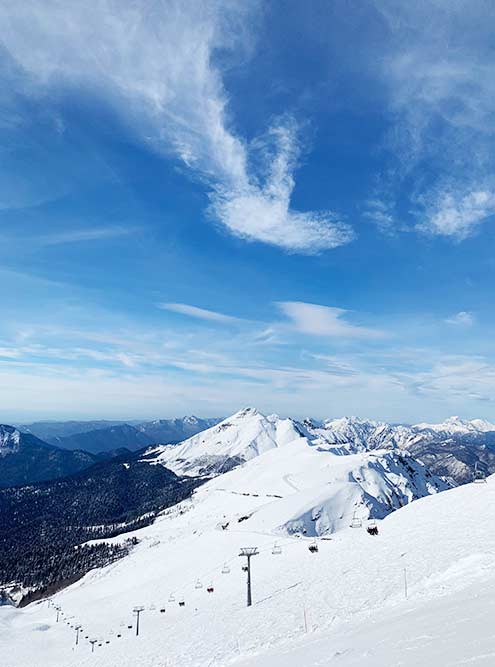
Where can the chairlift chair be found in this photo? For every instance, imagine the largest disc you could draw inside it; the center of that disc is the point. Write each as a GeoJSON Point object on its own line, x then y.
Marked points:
{"type": "Point", "coordinates": [198, 584]}
{"type": "Point", "coordinates": [277, 549]}
{"type": "Point", "coordinates": [313, 547]}
{"type": "Point", "coordinates": [356, 521]}
{"type": "Point", "coordinates": [479, 475]}
{"type": "Point", "coordinates": [225, 569]}
{"type": "Point", "coordinates": [372, 528]}
{"type": "Point", "coordinates": [210, 588]}
{"type": "Point", "coordinates": [171, 597]}
{"type": "Point", "coordinates": [162, 610]}
{"type": "Point", "coordinates": [182, 602]}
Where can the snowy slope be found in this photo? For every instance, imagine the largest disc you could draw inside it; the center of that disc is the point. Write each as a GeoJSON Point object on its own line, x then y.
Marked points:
{"type": "Point", "coordinates": [349, 596]}
{"type": "Point", "coordinates": [272, 497]}
{"type": "Point", "coordinates": [318, 492]}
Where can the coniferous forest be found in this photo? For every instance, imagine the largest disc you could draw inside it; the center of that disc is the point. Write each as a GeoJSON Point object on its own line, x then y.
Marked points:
{"type": "Point", "coordinates": [45, 527]}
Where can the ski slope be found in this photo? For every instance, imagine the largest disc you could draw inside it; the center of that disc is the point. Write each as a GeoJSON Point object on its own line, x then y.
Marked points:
{"type": "Point", "coordinates": [346, 601]}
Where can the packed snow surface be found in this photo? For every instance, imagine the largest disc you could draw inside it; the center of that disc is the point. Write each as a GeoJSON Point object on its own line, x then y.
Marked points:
{"type": "Point", "coordinates": [344, 604]}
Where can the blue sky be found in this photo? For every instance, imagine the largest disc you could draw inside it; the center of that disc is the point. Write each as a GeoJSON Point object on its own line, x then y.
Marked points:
{"type": "Point", "coordinates": [204, 206]}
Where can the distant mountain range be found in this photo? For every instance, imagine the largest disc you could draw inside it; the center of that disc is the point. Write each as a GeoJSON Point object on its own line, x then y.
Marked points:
{"type": "Point", "coordinates": [105, 436]}
{"type": "Point", "coordinates": [26, 457]}
{"type": "Point", "coordinates": [451, 449]}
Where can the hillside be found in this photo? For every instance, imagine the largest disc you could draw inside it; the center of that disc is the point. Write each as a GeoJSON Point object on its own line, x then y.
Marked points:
{"type": "Point", "coordinates": [282, 497]}
{"type": "Point", "coordinates": [105, 439]}
{"type": "Point", "coordinates": [44, 525]}
{"type": "Point", "coordinates": [24, 458]}
{"type": "Point", "coordinates": [347, 594]}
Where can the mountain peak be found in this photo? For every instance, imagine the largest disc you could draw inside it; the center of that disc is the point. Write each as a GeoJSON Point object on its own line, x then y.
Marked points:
{"type": "Point", "coordinates": [455, 424]}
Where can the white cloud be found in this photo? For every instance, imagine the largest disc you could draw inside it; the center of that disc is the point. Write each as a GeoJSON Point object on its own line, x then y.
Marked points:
{"type": "Point", "coordinates": [462, 318]}
{"type": "Point", "coordinates": [319, 320]}
{"type": "Point", "coordinates": [198, 313]}
{"type": "Point", "coordinates": [436, 63]}
{"type": "Point", "coordinates": [155, 63]}
{"type": "Point", "coordinates": [458, 377]}
{"type": "Point", "coordinates": [381, 213]}
{"type": "Point", "coordinates": [458, 215]}
{"type": "Point", "coordinates": [263, 213]}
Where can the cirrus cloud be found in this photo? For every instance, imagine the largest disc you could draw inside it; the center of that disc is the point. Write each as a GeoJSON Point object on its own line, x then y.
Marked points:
{"type": "Point", "coordinates": [313, 319]}
{"type": "Point", "coordinates": [156, 64]}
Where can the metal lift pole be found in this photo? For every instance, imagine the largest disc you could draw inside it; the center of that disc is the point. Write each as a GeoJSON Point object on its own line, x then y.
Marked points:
{"type": "Point", "coordinates": [248, 552]}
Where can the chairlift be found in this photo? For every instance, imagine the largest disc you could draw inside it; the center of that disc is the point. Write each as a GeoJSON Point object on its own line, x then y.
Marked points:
{"type": "Point", "coordinates": [198, 584]}
{"type": "Point", "coordinates": [277, 549]}
{"type": "Point", "coordinates": [152, 606]}
{"type": "Point", "coordinates": [356, 521]}
{"type": "Point", "coordinates": [313, 547]}
{"type": "Point", "coordinates": [225, 569]}
{"type": "Point", "coordinates": [171, 598]}
{"type": "Point", "coordinates": [479, 474]}
{"type": "Point", "coordinates": [162, 610]}
{"type": "Point", "coordinates": [245, 568]}
{"type": "Point", "coordinates": [210, 588]}
{"type": "Point", "coordinates": [129, 627]}
{"type": "Point", "coordinates": [182, 602]}
{"type": "Point", "coordinates": [372, 528]}
{"type": "Point", "coordinates": [119, 636]}
{"type": "Point", "coordinates": [107, 642]}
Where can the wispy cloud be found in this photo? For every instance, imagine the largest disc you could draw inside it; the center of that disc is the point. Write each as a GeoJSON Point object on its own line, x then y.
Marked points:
{"type": "Point", "coordinates": [155, 62]}
{"type": "Point", "coordinates": [435, 66]}
{"type": "Point", "coordinates": [458, 215]}
{"type": "Point", "coordinates": [199, 313]}
{"type": "Point", "coordinates": [463, 319]}
{"type": "Point", "coordinates": [319, 320]}
{"type": "Point", "coordinates": [83, 234]}
{"type": "Point", "coordinates": [261, 209]}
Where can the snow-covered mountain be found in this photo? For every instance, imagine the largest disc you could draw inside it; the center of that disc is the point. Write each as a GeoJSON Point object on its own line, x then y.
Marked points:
{"type": "Point", "coordinates": [357, 435]}
{"type": "Point", "coordinates": [451, 449]}
{"type": "Point", "coordinates": [456, 425]}
{"type": "Point", "coordinates": [346, 601]}
{"type": "Point", "coordinates": [321, 486]}
{"type": "Point", "coordinates": [450, 453]}
{"type": "Point", "coordinates": [234, 440]}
